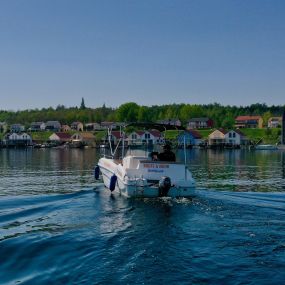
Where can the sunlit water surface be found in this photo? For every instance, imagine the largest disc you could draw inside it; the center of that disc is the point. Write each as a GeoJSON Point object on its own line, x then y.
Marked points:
{"type": "Point", "coordinates": [59, 226]}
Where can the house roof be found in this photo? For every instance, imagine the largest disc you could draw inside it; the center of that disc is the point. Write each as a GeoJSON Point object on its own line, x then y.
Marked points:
{"type": "Point", "coordinates": [76, 123]}
{"type": "Point", "coordinates": [37, 123]}
{"type": "Point", "coordinates": [87, 135]}
{"type": "Point", "coordinates": [223, 131]}
{"type": "Point", "coordinates": [107, 123]}
{"type": "Point", "coordinates": [140, 132]}
{"type": "Point", "coordinates": [155, 133]}
{"type": "Point", "coordinates": [52, 123]}
{"type": "Point", "coordinates": [195, 134]}
{"type": "Point", "coordinates": [63, 136]}
{"type": "Point", "coordinates": [116, 134]}
{"type": "Point", "coordinates": [247, 118]}
{"type": "Point", "coordinates": [16, 125]}
{"type": "Point", "coordinates": [279, 119]}
{"type": "Point", "coordinates": [239, 132]}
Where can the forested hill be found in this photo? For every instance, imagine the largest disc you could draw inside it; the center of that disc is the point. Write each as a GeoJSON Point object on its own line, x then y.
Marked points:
{"type": "Point", "coordinates": [223, 116]}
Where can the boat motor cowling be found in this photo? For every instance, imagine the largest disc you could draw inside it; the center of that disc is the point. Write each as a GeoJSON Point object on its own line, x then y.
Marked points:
{"type": "Point", "coordinates": [96, 172]}
{"type": "Point", "coordinates": [113, 181]}
{"type": "Point", "coordinates": [164, 185]}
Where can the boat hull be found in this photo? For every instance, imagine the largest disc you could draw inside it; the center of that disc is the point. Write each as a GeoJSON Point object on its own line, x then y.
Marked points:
{"type": "Point", "coordinates": [140, 187]}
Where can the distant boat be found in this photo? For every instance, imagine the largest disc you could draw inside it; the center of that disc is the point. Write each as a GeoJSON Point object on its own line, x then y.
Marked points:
{"type": "Point", "coordinates": [266, 147]}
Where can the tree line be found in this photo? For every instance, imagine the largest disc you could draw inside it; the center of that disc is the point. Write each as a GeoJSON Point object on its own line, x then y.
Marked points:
{"type": "Point", "coordinates": [223, 116]}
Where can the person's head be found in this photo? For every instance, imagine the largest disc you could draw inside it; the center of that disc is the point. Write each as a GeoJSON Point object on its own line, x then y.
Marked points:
{"type": "Point", "coordinates": [166, 147]}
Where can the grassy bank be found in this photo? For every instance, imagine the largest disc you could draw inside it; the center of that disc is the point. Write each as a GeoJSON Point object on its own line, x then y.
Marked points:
{"type": "Point", "coordinates": [268, 136]}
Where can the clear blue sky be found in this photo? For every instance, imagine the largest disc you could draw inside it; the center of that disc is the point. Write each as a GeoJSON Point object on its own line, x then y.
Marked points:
{"type": "Point", "coordinates": [147, 51]}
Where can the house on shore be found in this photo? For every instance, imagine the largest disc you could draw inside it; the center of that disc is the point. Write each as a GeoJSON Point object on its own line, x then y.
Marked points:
{"type": "Point", "coordinates": [17, 128]}
{"type": "Point", "coordinates": [53, 126]}
{"type": "Point", "coordinates": [222, 138]}
{"type": "Point", "coordinates": [115, 137]}
{"type": "Point", "coordinates": [191, 138]}
{"type": "Point", "coordinates": [274, 122]}
{"type": "Point", "coordinates": [77, 126]}
{"type": "Point", "coordinates": [217, 138]}
{"type": "Point", "coordinates": [37, 126]}
{"type": "Point", "coordinates": [171, 122]}
{"type": "Point", "coordinates": [17, 140]}
{"type": "Point", "coordinates": [65, 128]}
{"type": "Point", "coordinates": [145, 138]}
{"type": "Point", "coordinates": [92, 127]}
{"type": "Point", "coordinates": [83, 139]}
{"type": "Point", "coordinates": [200, 123]}
{"type": "Point", "coordinates": [60, 138]}
{"type": "Point", "coordinates": [254, 122]}
{"type": "Point", "coordinates": [235, 138]}
{"type": "Point", "coordinates": [108, 125]}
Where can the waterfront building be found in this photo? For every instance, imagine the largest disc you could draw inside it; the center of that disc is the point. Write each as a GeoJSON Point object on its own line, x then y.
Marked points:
{"type": "Point", "coordinates": [37, 126]}
{"type": "Point", "coordinates": [65, 128]}
{"type": "Point", "coordinates": [171, 122]}
{"type": "Point", "coordinates": [54, 126]}
{"type": "Point", "coordinates": [77, 126]}
{"type": "Point", "coordinates": [83, 138]}
{"type": "Point", "coordinates": [60, 137]}
{"type": "Point", "coordinates": [92, 127]}
{"type": "Point", "coordinates": [17, 139]}
{"type": "Point", "coordinates": [217, 138]}
{"type": "Point", "coordinates": [200, 123]}
{"type": "Point", "coordinates": [274, 122]}
{"type": "Point", "coordinates": [255, 122]}
{"type": "Point", "coordinates": [235, 138]}
{"type": "Point", "coordinates": [145, 137]}
{"type": "Point", "coordinates": [17, 128]}
{"type": "Point", "coordinates": [192, 138]}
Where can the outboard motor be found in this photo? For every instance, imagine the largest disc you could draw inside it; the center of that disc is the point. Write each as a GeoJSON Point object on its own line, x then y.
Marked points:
{"type": "Point", "coordinates": [113, 182]}
{"type": "Point", "coordinates": [96, 172]}
{"type": "Point", "coordinates": [164, 185]}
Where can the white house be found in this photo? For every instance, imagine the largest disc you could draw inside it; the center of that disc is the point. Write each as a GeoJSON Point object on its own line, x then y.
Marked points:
{"type": "Point", "coordinates": [235, 138]}
{"type": "Point", "coordinates": [38, 126]}
{"type": "Point", "coordinates": [145, 137]}
{"type": "Point", "coordinates": [274, 122]}
{"type": "Point", "coordinates": [18, 139]}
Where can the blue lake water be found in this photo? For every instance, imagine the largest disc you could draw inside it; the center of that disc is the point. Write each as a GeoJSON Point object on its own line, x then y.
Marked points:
{"type": "Point", "coordinates": [59, 226]}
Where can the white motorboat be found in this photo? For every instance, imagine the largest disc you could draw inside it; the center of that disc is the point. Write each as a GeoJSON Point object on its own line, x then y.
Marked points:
{"type": "Point", "coordinates": [139, 176]}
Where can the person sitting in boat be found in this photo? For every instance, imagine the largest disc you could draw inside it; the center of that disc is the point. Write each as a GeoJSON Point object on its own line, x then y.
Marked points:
{"type": "Point", "coordinates": [167, 154]}
{"type": "Point", "coordinates": [154, 155]}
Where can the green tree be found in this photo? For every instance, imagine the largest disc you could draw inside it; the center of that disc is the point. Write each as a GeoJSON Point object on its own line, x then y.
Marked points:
{"type": "Point", "coordinates": [128, 112]}
{"type": "Point", "coordinates": [266, 117]}
{"type": "Point", "coordinates": [82, 105]}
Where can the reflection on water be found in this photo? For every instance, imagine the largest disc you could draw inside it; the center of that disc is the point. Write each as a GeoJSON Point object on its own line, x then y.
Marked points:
{"type": "Point", "coordinates": [49, 171]}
